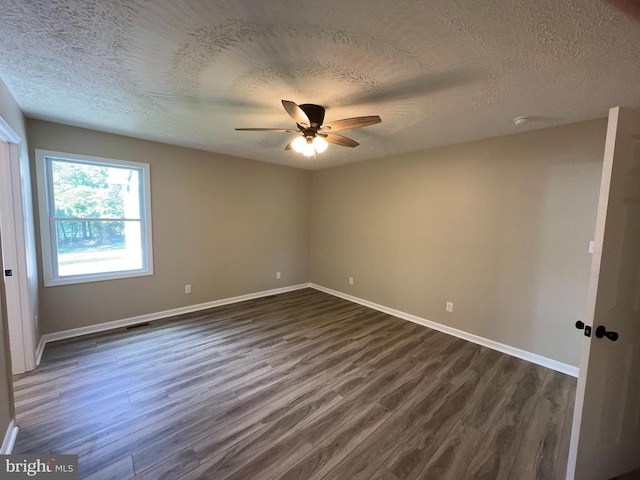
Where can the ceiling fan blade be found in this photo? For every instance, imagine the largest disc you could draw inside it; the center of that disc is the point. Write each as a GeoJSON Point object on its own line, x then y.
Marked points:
{"type": "Point", "coordinates": [629, 7]}
{"type": "Point", "coordinates": [285, 130]}
{"type": "Point", "coordinates": [339, 140]}
{"type": "Point", "coordinates": [349, 123]}
{"type": "Point", "coordinates": [296, 113]}
{"type": "Point", "coordinates": [289, 147]}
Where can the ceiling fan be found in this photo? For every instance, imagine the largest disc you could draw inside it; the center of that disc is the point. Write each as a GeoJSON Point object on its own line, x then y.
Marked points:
{"type": "Point", "coordinates": [315, 135]}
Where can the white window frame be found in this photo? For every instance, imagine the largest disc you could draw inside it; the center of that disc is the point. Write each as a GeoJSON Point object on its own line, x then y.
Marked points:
{"type": "Point", "coordinates": [47, 216]}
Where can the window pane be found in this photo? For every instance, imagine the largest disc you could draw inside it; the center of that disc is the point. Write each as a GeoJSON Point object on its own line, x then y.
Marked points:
{"type": "Point", "coordinates": [98, 246]}
{"type": "Point", "coordinates": [95, 218]}
{"type": "Point", "coordinates": [93, 191]}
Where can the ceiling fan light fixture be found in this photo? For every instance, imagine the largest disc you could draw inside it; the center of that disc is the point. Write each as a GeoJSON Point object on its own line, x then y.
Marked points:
{"type": "Point", "coordinates": [298, 144]}
{"type": "Point", "coordinates": [315, 134]}
{"type": "Point", "coordinates": [320, 144]}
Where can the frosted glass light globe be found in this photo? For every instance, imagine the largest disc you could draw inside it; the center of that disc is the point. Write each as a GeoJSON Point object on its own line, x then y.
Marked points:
{"type": "Point", "coordinates": [320, 144]}
{"type": "Point", "coordinates": [298, 144]}
{"type": "Point", "coordinates": [308, 150]}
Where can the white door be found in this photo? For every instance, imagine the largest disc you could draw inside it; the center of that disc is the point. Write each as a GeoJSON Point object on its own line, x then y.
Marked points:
{"type": "Point", "coordinates": [605, 439]}
{"type": "Point", "coordinates": [10, 262]}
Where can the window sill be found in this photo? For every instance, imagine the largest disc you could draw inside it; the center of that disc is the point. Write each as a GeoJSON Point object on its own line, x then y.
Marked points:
{"type": "Point", "coordinates": [99, 277]}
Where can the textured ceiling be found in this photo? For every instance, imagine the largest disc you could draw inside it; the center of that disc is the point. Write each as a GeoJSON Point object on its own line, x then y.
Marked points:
{"type": "Point", "coordinates": [437, 72]}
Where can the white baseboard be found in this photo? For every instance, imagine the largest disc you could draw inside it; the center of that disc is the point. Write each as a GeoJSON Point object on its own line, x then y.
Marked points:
{"type": "Point", "coordinates": [485, 342]}
{"type": "Point", "coordinates": [9, 438]}
{"type": "Point", "coordinates": [149, 317]}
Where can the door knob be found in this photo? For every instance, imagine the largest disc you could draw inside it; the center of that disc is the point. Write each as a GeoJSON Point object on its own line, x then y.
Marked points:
{"type": "Point", "coordinates": [601, 331]}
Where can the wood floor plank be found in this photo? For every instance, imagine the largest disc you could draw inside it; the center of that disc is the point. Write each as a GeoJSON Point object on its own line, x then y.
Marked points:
{"type": "Point", "coordinates": [450, 460]}
{"type": "Point", "coordinates": [382, 474]}
{"type": "Point", "coordinates": [635, 475]}
{"type": "Point", "coordinates": [497, 453]}
{"type": "Point", "coordinates": [420, 444]}
{"type": "Point", "coordinates": [234, 443]}
{"type": "Point", "coordinates": [297, 385]}
{"type": "Point", "coordinates": [121, 469]}
{"type": "Point", "coordinates": [556, 388]}
{"type": "Point", "coordinates": [370, 455]}
{"type": "Point", "coordinates": [222, 410]}
{"type": "Point", "coordinates": [560, 470]}
{"type": "Point", "coordinates": [169, 468]}
{"type": "Point", "coordinates": [324, 456]}
{"type": "Point", "coordinates": [505, 380]}
{"type": "Point", "coordinates": [536, 456]}
{"type": "Point", "coordinates": [258, 452]}
{"type": "Point", "coordinates": [304, 405]}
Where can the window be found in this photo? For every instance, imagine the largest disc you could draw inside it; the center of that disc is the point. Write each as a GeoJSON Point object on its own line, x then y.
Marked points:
{"type": "Point", "coordinates": [95, 218]}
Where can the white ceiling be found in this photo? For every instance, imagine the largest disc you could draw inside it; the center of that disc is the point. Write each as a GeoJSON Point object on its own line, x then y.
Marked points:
{"type": "Point", "coordinates": [438, 72]}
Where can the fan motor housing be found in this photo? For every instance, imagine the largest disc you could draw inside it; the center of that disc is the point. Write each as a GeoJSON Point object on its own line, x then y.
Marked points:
{"type": "Point", "coordinates": [315, 114]}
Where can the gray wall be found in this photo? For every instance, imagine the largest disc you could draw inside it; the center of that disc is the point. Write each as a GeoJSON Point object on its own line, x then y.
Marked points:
{"type": "Point", "coordinates": [499, 227]}
{"type": "Point", "coordinates": [225, 225]}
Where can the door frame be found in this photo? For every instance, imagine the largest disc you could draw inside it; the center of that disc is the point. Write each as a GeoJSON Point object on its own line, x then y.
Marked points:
{"type": "Point", "coordinates": [24, 346]}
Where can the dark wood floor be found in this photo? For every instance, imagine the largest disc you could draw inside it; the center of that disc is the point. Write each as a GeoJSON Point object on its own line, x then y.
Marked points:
{"type": "Point", "coordinates": [296, 386]}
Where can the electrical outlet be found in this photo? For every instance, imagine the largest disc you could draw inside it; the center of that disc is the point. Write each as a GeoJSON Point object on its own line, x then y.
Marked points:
{"type": "Point", "coordinates": [591, 246]}
{"type": "Point", "coordinates": [350, 280]}
{"type": "Point", "coordinates": [187, 289]}
{"type": "Point", "coordinates": [278, 275]}
{"type": "Point", "coordinates": [449, 307]}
